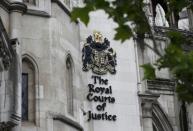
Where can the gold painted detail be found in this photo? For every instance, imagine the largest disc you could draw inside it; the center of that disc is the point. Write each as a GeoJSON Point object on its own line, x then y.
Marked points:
{"type": "Point", "coordinates": [98, 56]}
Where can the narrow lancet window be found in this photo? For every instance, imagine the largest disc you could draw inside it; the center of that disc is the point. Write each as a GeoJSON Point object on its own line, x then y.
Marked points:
{"type": "Point", "coordinates": [28, 91]}
{"type": "Point", "coordinates": [69, 86]}
{"type": "Point", "coordinates": [183, 118]}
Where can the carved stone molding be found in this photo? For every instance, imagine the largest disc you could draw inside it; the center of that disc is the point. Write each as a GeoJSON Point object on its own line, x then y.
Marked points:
{"type": "Point", "coordinates": [64, 119]}
{"type": "Point", "coordinates": [159, 30]}
{"type": "Point", "coordinates": [160, 119]}
{"type": "Point", "coordinates": [6, 125]}
{"type": "Point", "coordinates": [15, 119]}
{"type": "Point", "coordinates": [147, 101]}
{"type": "Point", "coordinates": [161, 84]}
{"type": "Point", "coordinates": [6, 51]}
{"type": "Point", "coordinates": [13, 6]}
{"type": "Point", "coordinates": [162, 32]}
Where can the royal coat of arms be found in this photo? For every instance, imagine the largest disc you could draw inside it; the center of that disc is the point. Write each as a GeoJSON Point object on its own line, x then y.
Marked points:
{"type": "Point", "coordinates": [98, 56]}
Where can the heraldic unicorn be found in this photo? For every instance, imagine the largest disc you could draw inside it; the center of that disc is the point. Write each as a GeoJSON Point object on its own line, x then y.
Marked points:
{"type": "Point", "coordinates": [98, 56]}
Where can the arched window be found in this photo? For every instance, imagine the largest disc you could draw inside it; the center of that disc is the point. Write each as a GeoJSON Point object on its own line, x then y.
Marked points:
{"type": "Point", "coordinates": [28, 91]}
{"type": "Point", "coordinates": [160, 17]}
{"type": "Point", "coordinates": [69, 86]}
{"type": "Point", "coordinates": [160, 10]}
{"type": "Point", "coordinates": [31, 2]}
{"type": "Point", "coordinates": [183, 118]}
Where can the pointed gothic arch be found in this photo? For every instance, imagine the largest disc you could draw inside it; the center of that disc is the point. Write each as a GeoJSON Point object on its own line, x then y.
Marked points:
{"type": "Point", "coordinates": [69, 84]}
{"type": "Point", "coordinates": [29, 88]}
{"type": "Point", "coordinates": [163, 3]}
{"type": "Point", "coordinates": [160, 9]}
{"type": "Point", "coordinates": [160, 120]}
{"type": "Point", "coordinates": [183, 117]}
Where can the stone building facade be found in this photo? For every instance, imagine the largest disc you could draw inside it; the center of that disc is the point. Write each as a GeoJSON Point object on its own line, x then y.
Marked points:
{"type": "Point", "coordinates": [43, 86]}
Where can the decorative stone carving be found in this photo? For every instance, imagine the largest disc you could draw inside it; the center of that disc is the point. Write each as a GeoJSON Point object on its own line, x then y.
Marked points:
{"type": "Point", "coordinates": [13, 6]}
{"type": "Point", "coordinates": [160, 119]}
{"type": "Point", "coordinates": [4, 57]}
{"type": "Point", "coordinates": [147, 101]}
{"type": "Point", "coordinates": [160, 18]}
{"type": "Point", "coordinates": [6, 51]}
{"type": "Point", "coordinates": [161, 84]}
{"type": "Point", "coordinates": [7, 54]}
{"type": "Point", "coordinates": [162, 32]}
{"type": "Point", "coordinates": [98, 56]}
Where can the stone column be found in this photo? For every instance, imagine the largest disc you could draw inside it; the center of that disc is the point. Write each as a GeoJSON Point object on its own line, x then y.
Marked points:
{"type": "Point", "coordinates": [16, 115]}
{"type": "Point", "coordinates": [17, 8]}
{"type": "Point", "coordinates": [147, 101]}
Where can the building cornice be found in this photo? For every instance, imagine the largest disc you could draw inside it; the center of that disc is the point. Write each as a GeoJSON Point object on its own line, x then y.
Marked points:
{"type": "Point", "coordinates": [161, 84]}
{"type": "Point", "coordinates": [13, 6]}
{"type": "Point", "coordinates": [162, 31]}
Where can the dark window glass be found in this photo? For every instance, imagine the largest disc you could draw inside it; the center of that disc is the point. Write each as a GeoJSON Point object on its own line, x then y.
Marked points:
{"type": "Point", "coordinates": [69, 86]}
{"type": "Point", "coordinates": [24, 96]}
{"type": "Point", "coordinates": [183, 118]}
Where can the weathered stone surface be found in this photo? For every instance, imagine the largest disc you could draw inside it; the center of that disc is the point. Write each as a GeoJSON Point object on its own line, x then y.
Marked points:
{"type": "Point", "coordinates": [47, 37]}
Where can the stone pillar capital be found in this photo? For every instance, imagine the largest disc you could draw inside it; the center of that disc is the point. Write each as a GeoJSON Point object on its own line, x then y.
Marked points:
{"type": "Point", "coordinates": [147, 101]}
{"type": "Point", "coordinates": [14, 5]}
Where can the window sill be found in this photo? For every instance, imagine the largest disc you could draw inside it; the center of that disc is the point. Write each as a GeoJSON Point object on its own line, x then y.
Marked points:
{"type": "Point", "coordinates": [36, 12]}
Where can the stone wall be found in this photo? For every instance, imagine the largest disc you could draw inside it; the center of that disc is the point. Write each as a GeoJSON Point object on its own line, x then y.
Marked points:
{"type": "Point", "coordinates": [48, 42]}
{"type": "Point", "coordinates": [124, 82]}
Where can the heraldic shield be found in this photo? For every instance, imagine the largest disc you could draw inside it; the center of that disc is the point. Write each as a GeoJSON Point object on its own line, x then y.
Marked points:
{"type": "Point", "coordinates": [98, 56]}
